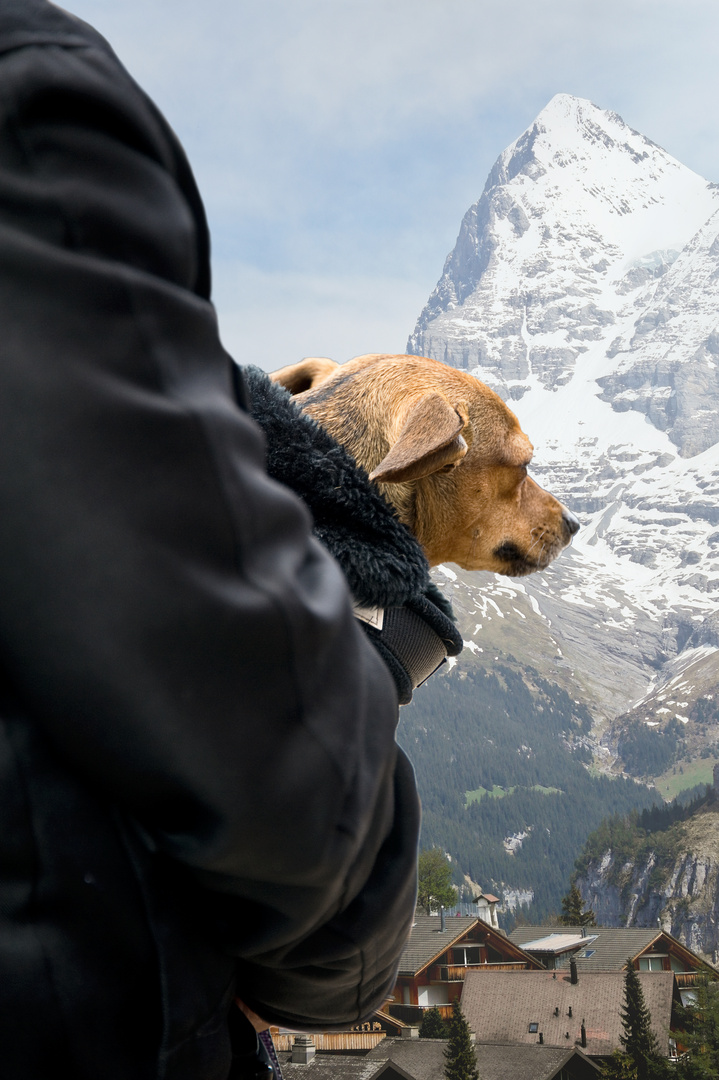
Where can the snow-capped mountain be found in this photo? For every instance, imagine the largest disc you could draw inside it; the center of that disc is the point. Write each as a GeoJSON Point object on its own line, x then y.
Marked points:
{"type": "Point", "coordinates": [584, 288]}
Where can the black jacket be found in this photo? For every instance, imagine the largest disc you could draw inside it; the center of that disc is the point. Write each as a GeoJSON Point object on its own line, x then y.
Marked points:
{"type": "Point", "coordinates": [199, 783]}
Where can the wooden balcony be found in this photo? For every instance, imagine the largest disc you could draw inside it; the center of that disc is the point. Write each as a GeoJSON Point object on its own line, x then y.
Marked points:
{"type": "Point", "coordinates": [686, 978]}
{"type": "Point", "coordinates": [451, 972]}
{"type": "Point", "coordinates": [334, 1040]}
{"type": "Point", "coordinates": [456, 973]}
{"type": "Point", "coordinates": [412, 1014]}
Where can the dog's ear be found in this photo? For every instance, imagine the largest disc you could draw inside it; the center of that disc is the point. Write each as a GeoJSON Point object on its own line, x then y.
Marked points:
{"type": "Point", "coordinates": [431, 439]}
{"type": "Point", "coordinates": [307, 374]}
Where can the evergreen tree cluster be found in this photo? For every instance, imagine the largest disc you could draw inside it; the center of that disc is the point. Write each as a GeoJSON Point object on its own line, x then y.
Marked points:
{"type": "Point", "coordinates": [433, 1025]}
{"type": "Point", "coordinates": [649, 751]}
{"type": "Point", "coordinates": [631, 837]}
{"type": "Point", "coordinates": [699, 1023]}
{"type": "Point", "coordinates": [501, 728]}
{"type": "Point", "coordinates": [573, 911]}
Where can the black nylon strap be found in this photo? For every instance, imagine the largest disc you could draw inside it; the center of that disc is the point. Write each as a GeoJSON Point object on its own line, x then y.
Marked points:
{"type": "Point", "coordinates": [413, 642]}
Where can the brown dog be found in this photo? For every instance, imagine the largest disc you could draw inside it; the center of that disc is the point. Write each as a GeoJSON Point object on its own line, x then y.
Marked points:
{"type": "Point", "coordinates": [446, 452]}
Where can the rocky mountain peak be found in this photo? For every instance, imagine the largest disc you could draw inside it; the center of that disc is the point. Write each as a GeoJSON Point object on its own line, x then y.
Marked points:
{"type": "Point", "coordinates": [577, 215]}
{"type": "Point", "coordinates": [571, 132]}
{"type": "Point", "coordinates": [584, 288]}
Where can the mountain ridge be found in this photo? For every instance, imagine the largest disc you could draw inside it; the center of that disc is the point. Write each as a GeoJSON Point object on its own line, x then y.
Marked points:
{"type": "Point", "coordinates": [608, 364]}
{"type": "Point", "coordinates": [584, 289]}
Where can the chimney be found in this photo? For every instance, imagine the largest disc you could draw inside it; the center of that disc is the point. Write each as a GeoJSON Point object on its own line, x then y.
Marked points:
{"type": "Point", "coordinates": [303, 1050]}
{"type": "Point", "coordinates": [570, 1012]}
{"type": "Point", "coordinates": [573, 973]}
{"type": "Point", "coordinates": [541, 1038]}
{"type": "Point", "coordinates": [556, 1010]}
{"type": "Point", "coordinates": [584, 1035]}
{"type": "Point", "coordinates": [442, 923]}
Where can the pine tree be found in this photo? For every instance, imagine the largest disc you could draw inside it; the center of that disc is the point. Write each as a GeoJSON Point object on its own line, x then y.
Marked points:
{"type": "Point", "coordinates": [619, 1067]}
{"type": "Point", "coordinates": [461, 1061]}
{"type": "Point", "coordinates": [573, 911]}
{"type": "Point", "coordinates": [641, 1051]}
{"type": "Point", "coordinates": [433, 1025]}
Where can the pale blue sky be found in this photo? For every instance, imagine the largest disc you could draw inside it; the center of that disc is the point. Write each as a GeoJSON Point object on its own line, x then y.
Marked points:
{"type": "Point", "coordinates": [337, 143]}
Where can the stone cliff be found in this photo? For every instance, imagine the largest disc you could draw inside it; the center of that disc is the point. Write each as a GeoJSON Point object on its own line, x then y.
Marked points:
{"type": "Point", "coordinates": [674, 883]}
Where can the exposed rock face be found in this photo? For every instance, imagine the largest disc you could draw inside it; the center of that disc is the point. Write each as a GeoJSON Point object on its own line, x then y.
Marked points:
{"type": "Point", "coordinates": [584, 288]}
{"type": "Point", "coordinates": [667, 365]}
{"type": "Point", "coordinates": [557, 254]}
{"type": "Point", "coordinates": [681, 894]}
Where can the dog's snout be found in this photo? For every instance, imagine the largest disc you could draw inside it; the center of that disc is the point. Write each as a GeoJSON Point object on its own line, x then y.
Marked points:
{"type": "Point", "coordinates": [571, 521]}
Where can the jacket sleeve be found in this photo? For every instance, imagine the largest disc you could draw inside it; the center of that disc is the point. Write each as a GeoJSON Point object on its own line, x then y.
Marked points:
{"type": "Point", "coordinates": [167, 619]}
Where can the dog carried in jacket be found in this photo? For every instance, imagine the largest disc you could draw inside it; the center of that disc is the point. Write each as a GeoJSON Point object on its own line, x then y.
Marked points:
{"type": "Point", "coordinates": [446, 452]}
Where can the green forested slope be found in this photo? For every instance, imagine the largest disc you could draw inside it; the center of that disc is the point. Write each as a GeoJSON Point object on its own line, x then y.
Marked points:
{"type": "Point", "coordinates": [499, 728]}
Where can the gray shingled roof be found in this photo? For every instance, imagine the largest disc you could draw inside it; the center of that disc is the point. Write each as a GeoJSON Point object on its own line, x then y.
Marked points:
{"type": "Point", "coordinates": [427, 941]}
{"type": "Point", "coordinates": [612, 947]}
{"type": "Point", "coordinates": [328, 1067]}
{"type": "Point", "coordinates": [500, 1006]}
{"type": "Point", "coordinates": [498, 1061]}
{"type": "Point", "coordinates": [423, 1059]}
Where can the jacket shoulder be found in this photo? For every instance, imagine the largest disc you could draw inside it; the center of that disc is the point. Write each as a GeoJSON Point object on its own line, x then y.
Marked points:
{"type": "Point", "coordinates": [25, 23]}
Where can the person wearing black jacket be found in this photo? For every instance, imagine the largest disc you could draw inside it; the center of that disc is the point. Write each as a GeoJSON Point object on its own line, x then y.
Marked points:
{"type": "Point", "coordinates": [201, 792]}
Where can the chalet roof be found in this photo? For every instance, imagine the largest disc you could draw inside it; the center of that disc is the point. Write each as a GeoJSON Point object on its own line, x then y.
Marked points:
{"type": "Point", "coordinates": [611, 947]}
{"type": "Point", "coordinates": [497, 1061]}
{"type": "Point", "coordinates": [501, 1005]}
{"type": "Point", "coordinates": [423, 1059]}
{"type": "Point", "coordinates": [487, 896]}
{"type": "Point", "coordinates": [427, 941]}
{"type": "Point", "coordinates": [350, 1066]}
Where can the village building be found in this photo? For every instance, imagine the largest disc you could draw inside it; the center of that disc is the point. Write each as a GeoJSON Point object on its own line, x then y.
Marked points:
{"type": "Point", "coordinates": [600, 948]}
{"type": "Point", "coordinates": [423, 1059]}
{"type": "Point", "coordinates": [439, 953]}
{"type": "Point", "coordinates": [563, 1008]}
{"type": "Point", "coordinates": [487, 908]}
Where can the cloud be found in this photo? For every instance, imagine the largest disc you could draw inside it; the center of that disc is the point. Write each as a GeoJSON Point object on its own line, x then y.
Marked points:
{"type": "Point", "coordinates": [342, 140]}
{"type": "Point", "coordinates": [275, 319]}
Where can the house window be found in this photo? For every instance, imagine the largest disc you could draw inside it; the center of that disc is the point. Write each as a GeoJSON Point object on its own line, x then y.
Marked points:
{"type": "Point", "coordinates": [463, 957]}
{"type": "Point", "coordinates": [650, 963]}
{"type": "Point", "coordinates": [586, 954]}
{"type": "Point", "coordinates": [432, 995]}
{"type": "Point", "coordinates": [534, 1027]}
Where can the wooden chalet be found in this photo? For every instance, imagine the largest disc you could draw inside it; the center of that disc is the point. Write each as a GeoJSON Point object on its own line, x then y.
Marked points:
{"type": "Point", "coordinates": [438, 955]}
{"type": "Point", "coordinates": [607, 948]}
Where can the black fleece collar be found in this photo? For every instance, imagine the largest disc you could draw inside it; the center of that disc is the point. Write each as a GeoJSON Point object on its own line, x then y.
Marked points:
{"type": "Point", "coordinates": [382, 561]}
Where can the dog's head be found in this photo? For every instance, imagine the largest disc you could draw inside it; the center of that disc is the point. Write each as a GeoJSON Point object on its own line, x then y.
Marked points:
{"type": "Point", "coordinates": [446, 452]}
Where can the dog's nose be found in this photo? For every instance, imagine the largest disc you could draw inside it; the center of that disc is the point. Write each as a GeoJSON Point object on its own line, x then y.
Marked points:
{"type": "Point", "coordinates": [571, 521]}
